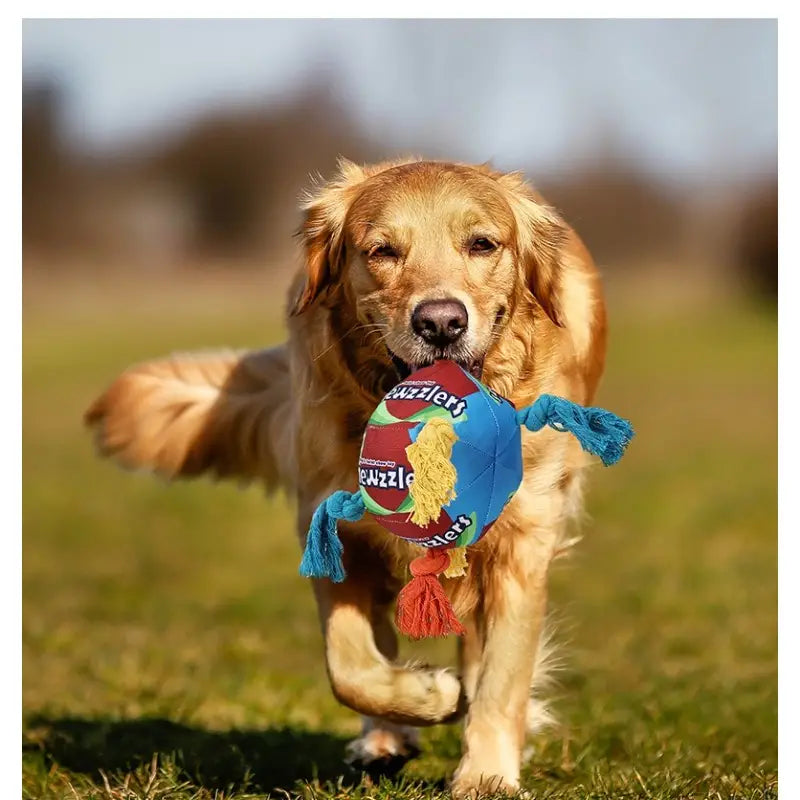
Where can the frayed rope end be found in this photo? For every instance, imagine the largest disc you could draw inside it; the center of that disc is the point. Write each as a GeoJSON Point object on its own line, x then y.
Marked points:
{"type": "Point", "coordinates": [600, 432]}
{"type": "Point", "coordinates": [434, 474]}
{"type": "Point", "coordinates": [422, 606]}
{"type": "Point", "coordinates": [322, 557]}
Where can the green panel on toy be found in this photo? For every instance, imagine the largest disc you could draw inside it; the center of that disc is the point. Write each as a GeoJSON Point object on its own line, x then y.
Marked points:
{"type": "Point", "coordinates": [440, 460]}
{"type": "Point", "coordinates": [486, 456]}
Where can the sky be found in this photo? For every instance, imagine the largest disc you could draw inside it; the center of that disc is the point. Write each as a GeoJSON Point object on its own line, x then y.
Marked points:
{"type": "Point", "coordinates": [681, 98]}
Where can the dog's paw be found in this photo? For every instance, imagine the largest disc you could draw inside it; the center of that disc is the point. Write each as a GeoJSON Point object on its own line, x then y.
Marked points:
{"type": "Point", "coordinates": [437, 694]}
{"type": "Point", "coordinates": [474, 787]}
{"type": "Point", "coordinates": [383, 748]}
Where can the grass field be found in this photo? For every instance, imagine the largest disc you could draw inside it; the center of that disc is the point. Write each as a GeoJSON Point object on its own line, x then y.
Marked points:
{"type": "Point", "coordinates": [171, 650]}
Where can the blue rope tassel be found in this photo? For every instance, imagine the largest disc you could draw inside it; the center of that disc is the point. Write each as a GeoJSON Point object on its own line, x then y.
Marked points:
{"type": "Point", "coordinates": [322, 557]}
{"type": "Point", "coordinates": [600, 432]}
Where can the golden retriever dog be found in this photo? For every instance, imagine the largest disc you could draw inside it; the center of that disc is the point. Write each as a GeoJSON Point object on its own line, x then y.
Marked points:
{"type": "Point", "coordinates": [405, 262]}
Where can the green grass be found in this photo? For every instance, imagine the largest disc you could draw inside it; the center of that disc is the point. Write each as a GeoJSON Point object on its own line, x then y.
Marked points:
{"type": "Point", "coordinates": [171, 650]}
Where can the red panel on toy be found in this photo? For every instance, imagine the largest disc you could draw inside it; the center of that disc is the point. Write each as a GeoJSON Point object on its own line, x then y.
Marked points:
{"type": "Point", "coordinates": [383, 468]}
{"type": "Point", "coordinates": [399, 524]}
{"type": "Point", "coordinates": [441, 385]}
{"type": "Point", "coordinates": [445, 532]}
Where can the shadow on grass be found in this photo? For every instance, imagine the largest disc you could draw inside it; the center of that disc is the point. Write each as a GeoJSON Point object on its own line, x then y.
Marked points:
{"type": "Point", "coordinates": [274, 758]}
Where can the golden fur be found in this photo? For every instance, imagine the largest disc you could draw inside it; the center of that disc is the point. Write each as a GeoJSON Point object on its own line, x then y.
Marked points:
{"type": "Point", "coordinates": [378, 240]}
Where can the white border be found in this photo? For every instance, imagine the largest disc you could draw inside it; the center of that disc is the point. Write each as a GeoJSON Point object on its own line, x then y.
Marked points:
{"type": "Point", "coordinates": [788, 427]}
{"type": "Point", "coordinates": [410, 9]}
{"type": "Point", "coordinates": [11, 477]}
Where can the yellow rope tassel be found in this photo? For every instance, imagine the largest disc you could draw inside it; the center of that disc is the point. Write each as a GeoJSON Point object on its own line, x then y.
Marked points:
{"type": "Point", "coordinates": [458, 563]}
{"type": "Point", "coordinates": [434, 474]}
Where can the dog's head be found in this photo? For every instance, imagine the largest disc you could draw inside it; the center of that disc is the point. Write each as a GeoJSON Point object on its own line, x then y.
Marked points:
{"type": "Point", "coordinates": [433, 258]}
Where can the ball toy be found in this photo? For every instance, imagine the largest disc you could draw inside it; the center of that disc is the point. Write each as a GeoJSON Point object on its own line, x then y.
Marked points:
{"type": "Point", "coordinates": [440, 459]}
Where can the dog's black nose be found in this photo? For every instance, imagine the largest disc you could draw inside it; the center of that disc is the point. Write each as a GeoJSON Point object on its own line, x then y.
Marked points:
{"type": "Point", "coordinates": [440, 322]}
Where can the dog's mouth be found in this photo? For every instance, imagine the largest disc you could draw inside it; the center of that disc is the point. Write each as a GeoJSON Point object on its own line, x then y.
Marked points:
{"type": "Point", "coordinates": [418, 355]}
{"type": "Point", "coordinates": [405, 369]}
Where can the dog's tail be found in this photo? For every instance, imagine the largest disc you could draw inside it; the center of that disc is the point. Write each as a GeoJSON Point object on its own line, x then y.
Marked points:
{"type": "Point", "coordinates": [224, 414]}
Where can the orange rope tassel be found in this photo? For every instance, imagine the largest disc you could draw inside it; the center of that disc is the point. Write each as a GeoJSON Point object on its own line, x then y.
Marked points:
{"type": "Point", "coordinates": [422, 606]}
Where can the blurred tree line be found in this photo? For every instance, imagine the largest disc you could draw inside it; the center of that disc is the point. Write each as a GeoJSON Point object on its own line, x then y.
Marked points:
{"type": "Point", "coordinates": [226, 187]}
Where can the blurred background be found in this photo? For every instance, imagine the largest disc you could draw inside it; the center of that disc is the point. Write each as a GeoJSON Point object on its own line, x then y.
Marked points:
{"type": "Point", "coordinates": [163, 143]}
{"type": "Point", "coordinates": [162, 162]}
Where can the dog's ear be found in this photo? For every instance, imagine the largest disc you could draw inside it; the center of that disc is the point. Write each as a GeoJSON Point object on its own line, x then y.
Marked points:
{"type": "Point", "coordinates": [322, 234]}
{"type": "Point", "coordinates": [541, 238]}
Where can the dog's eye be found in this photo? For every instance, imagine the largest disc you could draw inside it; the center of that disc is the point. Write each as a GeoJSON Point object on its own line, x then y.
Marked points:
{"type": "Point", "coordinates": [482, 245]}
{"type": "Point", "coordinates": [382, 251]}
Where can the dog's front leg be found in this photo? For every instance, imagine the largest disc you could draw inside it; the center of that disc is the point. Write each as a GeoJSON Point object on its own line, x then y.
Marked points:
{"type": "Point", "coordinates": [362, 676]}
{"type": "Point", "coordinates": [383, 745]}
{"type": "Point", "coordinates": [506, 637]}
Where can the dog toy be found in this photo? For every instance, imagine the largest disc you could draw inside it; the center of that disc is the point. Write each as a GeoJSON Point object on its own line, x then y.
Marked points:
{"type": "Point", "coordinates": [440, 459]}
